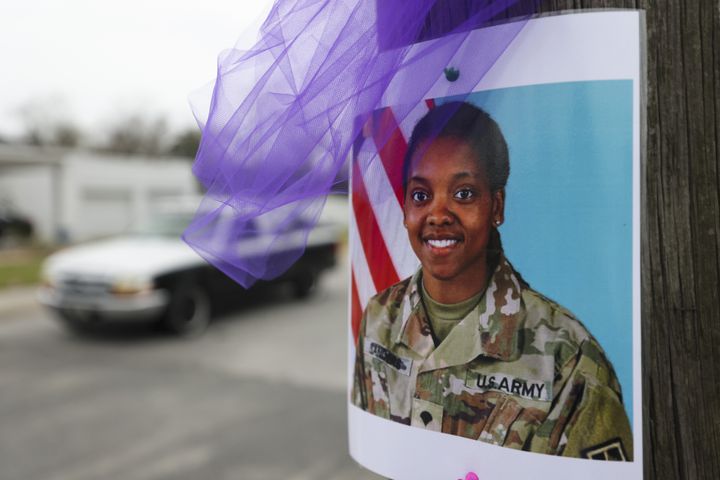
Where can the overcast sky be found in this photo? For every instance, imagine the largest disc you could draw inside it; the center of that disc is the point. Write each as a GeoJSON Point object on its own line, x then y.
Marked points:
{"type": "Point", "coordinates": [90, 60]}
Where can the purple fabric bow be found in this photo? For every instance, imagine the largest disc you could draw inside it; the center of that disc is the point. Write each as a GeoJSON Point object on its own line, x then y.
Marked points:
{"type": "Point", "coordinates": [284, 114]}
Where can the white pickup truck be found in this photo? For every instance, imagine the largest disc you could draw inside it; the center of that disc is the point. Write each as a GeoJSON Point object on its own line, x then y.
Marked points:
{"type": "Point", "coordinates": [152, 275]}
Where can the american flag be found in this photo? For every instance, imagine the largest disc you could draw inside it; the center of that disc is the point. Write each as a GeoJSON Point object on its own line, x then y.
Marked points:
{"type": "Point", "coordinates": [381, 254]}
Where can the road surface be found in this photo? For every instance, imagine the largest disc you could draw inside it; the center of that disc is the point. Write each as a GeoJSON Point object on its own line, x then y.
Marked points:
{"type": "Point", "coordinates": [260, 396]}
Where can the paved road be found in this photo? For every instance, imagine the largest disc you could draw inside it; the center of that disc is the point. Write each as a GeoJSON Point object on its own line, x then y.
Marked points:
{"type": "Point", "coordinates": [260, 396]}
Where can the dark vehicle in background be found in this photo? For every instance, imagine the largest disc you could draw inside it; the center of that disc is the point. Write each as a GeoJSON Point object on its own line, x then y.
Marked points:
{"type": "Point", "coordinates": [14, 227]}
{"type": "Point", "coordinates": [151, 275]}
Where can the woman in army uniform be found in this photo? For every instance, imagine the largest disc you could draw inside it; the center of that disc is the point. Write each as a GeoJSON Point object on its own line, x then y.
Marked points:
{"type": "Point", "coordinates": [465, 346]}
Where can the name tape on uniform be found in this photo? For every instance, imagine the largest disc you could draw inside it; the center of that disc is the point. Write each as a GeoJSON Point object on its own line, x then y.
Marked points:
{"type": "Point", "coordinates": [533, 390]}
{"type": "Point", "coordinates": [401, 364]}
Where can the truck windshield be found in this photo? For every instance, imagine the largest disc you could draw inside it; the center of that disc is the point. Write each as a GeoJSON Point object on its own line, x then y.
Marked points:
{"type": "Point", "coordinates": [164, 225]}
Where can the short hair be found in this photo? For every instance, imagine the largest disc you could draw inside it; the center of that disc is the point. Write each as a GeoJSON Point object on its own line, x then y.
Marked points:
{"type": "Point", "coordinates": [470, 124]}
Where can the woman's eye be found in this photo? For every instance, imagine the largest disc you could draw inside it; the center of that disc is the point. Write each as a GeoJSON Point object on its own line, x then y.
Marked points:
{"type": "Point", "coordinates": [419, 196]}
{"type": "Point", "coordinates": [464, 194]}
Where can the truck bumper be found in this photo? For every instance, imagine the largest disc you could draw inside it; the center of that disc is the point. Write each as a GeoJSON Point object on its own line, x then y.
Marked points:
{"type": "Point", "coordinates": [143, 306]}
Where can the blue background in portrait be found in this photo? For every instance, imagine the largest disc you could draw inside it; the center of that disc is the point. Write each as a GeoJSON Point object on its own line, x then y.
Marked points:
{"type": "Point", "coordinates": [568, 214]}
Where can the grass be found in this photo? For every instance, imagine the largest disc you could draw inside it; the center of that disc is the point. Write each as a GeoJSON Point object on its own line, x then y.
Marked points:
{"type": "Point", "coordinates": [21, 266]}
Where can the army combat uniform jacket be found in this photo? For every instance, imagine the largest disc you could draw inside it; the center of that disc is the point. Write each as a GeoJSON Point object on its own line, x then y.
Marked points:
{"type": "Point", "coordinates": [518, 371]}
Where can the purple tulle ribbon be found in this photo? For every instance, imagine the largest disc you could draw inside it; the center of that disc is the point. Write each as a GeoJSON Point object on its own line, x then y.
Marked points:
{"type": "Point", "coordinates": [284, 114]}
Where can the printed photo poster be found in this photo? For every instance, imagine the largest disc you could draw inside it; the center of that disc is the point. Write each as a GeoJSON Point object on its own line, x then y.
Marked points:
{"type": "Point", "coordinates": [495, 263]}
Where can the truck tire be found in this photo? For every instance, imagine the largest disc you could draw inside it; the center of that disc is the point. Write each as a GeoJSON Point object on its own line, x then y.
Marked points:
{"type": "Point", "coordinates": [305, 284]}
{"type": "Point", "coordinates": [189, 311]}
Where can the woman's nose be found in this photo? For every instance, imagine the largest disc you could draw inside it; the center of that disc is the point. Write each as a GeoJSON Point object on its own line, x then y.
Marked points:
{"type": "Point", "coordinates": [439, 213]}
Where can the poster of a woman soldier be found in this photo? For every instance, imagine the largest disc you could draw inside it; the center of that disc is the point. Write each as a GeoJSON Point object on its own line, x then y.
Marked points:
{"type": "Point", "coordinates": [465, 345]}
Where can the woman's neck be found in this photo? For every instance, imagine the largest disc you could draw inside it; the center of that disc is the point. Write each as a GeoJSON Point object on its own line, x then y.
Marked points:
{"type": "Point", "coordinates": [465, 285]}
{"type": "Point", "coordinates": [455, 290]}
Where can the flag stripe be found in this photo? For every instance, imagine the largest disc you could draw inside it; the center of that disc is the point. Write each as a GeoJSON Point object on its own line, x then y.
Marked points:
{"type": "Point", "coordinates": [355, 308]}
{"type": "Point", "coordinates": [391, 145]}
{"type": "Point", "coordinates": [360, 267]}
{"type": "Point", "coordinates": [376, 251]}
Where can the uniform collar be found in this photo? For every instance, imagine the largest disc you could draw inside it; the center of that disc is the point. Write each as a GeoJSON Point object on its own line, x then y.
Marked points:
{"type": "Point", "coordinates": [491, 329]}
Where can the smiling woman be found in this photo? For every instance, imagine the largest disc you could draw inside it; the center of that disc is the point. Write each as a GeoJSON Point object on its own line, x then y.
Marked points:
{"type": "Point", "coordinates": [451, 207]}
{"type": "Point", "coordinates": [465, 346]}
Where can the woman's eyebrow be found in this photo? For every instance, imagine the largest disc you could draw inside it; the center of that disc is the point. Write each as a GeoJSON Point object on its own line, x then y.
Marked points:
{"type": "Point", "coordinates": [461, 175]}
{"type": "Point", "coordinates": [418, 179]}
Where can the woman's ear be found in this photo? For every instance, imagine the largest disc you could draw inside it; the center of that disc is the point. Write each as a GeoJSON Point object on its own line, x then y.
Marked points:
{"type": "Point", "coordinates": [499, 207]}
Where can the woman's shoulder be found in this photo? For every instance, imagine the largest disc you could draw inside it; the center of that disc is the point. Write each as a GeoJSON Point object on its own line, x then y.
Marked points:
{"type": "Point", "coordinates": [543, 312]}
{"type": "Point", "coordinates": [393, 294]}
{"type": "Point", "coordinates": [385, 308]}
{"type": "Point", "coordinates": [555, 329]}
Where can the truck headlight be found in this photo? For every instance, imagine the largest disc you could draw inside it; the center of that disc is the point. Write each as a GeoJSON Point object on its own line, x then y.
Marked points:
{"type": "Point", "coordinates": [131, 286]}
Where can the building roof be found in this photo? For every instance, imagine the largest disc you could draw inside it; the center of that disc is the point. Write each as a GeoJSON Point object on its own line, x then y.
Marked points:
{"type": "Point", "coordinates": [21, 155]}
{"type": "Point", "coordinates": [13, 155]}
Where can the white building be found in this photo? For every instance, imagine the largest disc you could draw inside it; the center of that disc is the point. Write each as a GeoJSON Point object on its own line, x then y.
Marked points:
{"type": "Point", "coordinates": [73, 195]}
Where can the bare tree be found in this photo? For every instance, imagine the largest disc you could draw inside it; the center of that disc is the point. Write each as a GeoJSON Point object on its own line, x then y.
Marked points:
{"type": "Point", "coordinates": [136, 134]}
{"type": "Point", "coordinates": [46, 121]}
{"type": "Point", "coordinates": [66, 135]}
{"type": "Point", "coordinates": [186, 143]}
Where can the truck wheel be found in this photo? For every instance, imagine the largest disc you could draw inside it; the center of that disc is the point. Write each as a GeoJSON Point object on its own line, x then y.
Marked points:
{"type": "Point", "coordinates": [189, 311]}
{"type": "Point", "coordinates": [305, 285]}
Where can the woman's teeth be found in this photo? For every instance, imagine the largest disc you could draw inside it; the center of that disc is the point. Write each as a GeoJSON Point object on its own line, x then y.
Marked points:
{"type": "Point", "coordinates": [442, 243]}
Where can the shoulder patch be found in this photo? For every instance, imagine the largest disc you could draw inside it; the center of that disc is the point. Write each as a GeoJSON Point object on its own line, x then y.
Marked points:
{"type": "Point", "coordinates": [612, 450]}
{"type": "Point", "coordinates": [552, 304]}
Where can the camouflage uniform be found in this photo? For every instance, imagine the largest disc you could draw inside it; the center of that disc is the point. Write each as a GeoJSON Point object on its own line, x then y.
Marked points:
{"type": "Point", "coordinates": [519, 371]}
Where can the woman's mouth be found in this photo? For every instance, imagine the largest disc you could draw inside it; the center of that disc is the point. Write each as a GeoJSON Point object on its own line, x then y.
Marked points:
{"type": "Point", "coordinates": [441, 245]}
{"type": "Point", "coordinates": [445, 243]}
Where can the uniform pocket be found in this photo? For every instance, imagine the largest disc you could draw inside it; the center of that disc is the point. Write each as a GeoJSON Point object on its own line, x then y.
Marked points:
{"type": "Point", "coordinates": [427, 415]}
{"type": "Point", "coordinates": [501, 421]}
{"type": "Point", "coordinates": [376, 385]}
